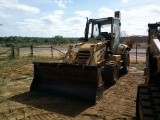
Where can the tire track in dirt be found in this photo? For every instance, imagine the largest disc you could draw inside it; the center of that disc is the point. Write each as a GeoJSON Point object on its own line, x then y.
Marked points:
{"type": "Point", "coordinates": [117, 103]}
{"type": "Point", "coordinates": [41, 116]}
{"type": "Point", "coordinates": [16, 113]}
{"type": "Point", "coordinates": [27, 113]}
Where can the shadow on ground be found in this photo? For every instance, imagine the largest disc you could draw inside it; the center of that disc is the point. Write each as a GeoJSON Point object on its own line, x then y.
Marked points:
{"type": "Point", "coordinates": [65, 106]}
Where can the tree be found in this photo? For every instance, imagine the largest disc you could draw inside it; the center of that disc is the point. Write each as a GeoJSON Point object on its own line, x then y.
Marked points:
{"type": "Point", "coordinates": [123, 36]}
{"type": "Point", "coordinates": [59, 39]}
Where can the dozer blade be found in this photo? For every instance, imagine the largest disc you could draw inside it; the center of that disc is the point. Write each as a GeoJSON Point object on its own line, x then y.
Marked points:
{"type": "Point", "coordinates": [77, 81]}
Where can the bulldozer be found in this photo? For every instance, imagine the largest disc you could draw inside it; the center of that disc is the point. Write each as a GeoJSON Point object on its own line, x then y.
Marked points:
{"type": "Point", "coordinates": [148, 94]}
{"type": "Point", "coordinates": [99, 60]}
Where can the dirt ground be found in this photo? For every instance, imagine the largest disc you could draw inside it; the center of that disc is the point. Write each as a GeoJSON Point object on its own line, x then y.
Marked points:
{"type": "Point", "coordinates": [118, 101]}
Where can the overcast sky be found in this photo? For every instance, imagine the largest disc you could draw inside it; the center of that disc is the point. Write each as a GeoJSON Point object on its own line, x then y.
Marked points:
{"type": "Point", "coordinates": [48, 18]}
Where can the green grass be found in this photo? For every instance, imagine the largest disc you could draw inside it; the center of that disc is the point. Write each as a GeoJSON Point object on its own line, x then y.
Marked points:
{"type": "Point", "coordinates": [24, 61]}
{"type": "Point", "coordinates": [15, 64]}
{"type": "Point", "coordinates": [2, 100]}
{"type": "Point", "coordinates": [11, 63]}
{"type": "Point", "coordinates": [11, 70]}
{"type": "Point", "coordinates": [3, 83]}
{"type": "Point", "coordinates": [139, 66]}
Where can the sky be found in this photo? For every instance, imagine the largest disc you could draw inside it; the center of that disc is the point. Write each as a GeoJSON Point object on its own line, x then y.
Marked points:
{"type": "Point", "coordinates": [48, 18]}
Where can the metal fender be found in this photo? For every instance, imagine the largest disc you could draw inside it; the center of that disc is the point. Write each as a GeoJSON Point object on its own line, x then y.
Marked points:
{"type": "Point", "coordinates": [121, 49]}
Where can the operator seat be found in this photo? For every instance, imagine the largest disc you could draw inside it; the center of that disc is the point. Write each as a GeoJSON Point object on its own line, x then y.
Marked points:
{"type": "Point", "coordinates": [105, 35]}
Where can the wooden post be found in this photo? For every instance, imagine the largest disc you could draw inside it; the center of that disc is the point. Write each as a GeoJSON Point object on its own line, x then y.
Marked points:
{"type": "Point", "coordinates": [51, 51]}
{"type": "Point", "coordinates": [136, 52]}
{"type": "Point", "coordinates": [18, 51]}
{"type": "Point", "coordinates": [13, 55]}
{"type": "Point", "coordinates": [31, 50]}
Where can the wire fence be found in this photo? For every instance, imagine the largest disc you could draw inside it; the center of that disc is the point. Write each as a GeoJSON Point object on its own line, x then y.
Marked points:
{"type": "Point", "coordinates": [50, 51]}
{"type": "Point", "coordinates": [31, 51]}
{"type": "Point", "coordinates": [138, 54]}
{"type": "Point", "coordinates": [5, 52]}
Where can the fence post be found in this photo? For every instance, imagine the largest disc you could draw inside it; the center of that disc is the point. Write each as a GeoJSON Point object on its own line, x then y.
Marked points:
{"type": "Point", "coordinates": [13, 55]}
{"type": "Point", "coordinates": [31, 50]}
{"type": "Point", "coordinates": [136, 53]}
{"type": "Point", "coordinates": [52, 51]}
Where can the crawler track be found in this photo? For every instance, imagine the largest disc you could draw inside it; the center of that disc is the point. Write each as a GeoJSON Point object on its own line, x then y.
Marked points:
{"type": "Point", "coordinates": [148, 102]}
{"type": "Point", "coordinates": [42, 116]}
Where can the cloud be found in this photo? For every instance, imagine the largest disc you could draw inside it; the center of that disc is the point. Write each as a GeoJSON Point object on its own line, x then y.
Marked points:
{"type": "Point", "coordinates": [124, 1]}
{"type": "Point", "coordinates": [153, 9]}
{"type": "Point", "coordinates": [61, 3]}
{"type": "Point", "coordinates": [135, 21]}
{"type": "Point", "coordinates": [32, 27]}
{"type": "Point", "coordinates": [105, 12]}
{"type": "Point", "coordinates": [48, 25]}
{"type": "Point", "coordinates": [77, 23]}
{"type": "Point", "coordinates": [3, 15]}
{"type": "Point", "coordinates": [54, 18]}
{"type": "Point", "coordinates": [13, 6]}
{"type": "Point", "coordinates": [48, 20]}
{"type": "Point", "coordinates": [58, 12]}
{"type": "Point", "coordinates": [85, 13]}
{"type": "Point", "coordinates": [54, 24]}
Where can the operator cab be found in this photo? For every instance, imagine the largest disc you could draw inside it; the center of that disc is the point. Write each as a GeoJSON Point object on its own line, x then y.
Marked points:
{"type": "Point", "coordinates": [108, 28]}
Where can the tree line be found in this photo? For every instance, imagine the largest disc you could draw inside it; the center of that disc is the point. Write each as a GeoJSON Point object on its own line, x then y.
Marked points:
{"type": "Point", "coordinates": [135, 39]}
{"type": "Point", "coordinates": [58, 40]}
{"type": "Point", "coordinates": [27, 41]}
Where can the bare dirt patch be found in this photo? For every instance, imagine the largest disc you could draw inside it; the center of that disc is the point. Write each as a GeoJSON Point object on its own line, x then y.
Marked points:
{"type": "Point", "coordinates": [118, 102]}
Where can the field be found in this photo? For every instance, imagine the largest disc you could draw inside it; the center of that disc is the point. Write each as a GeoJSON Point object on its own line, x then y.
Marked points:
{"type": "Point", "coordinates": [16, 102]}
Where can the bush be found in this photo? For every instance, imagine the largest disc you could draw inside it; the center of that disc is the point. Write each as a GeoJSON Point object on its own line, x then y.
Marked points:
{"type": "Point", "coordinates": [9, 44]}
